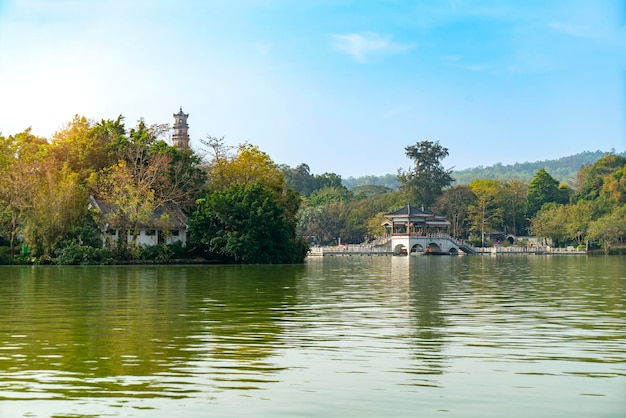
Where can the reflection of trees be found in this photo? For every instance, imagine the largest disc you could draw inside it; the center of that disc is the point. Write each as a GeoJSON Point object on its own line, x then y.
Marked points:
{"type": "Point", "coordinates": [238, 326]}
{"type": "Point", "coordinates": [112, 329]}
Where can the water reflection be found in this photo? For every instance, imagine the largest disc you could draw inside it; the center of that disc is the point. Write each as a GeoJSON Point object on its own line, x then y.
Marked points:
{"type": "Point", "coordinates": [80, 331]}
{"type": "Point", "coordinates": [400, 336]}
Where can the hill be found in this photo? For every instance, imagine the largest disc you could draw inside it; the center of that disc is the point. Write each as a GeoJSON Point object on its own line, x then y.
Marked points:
{"type": "Point", "coordinates": [563, 169]}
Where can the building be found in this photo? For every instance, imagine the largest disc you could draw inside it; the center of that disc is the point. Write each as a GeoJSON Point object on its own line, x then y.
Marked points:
{"type": "Point", "coordinates": [167, 225]}
{"type": "Point", "coordinates": [180, 135]}
{"type": "Point", "coordinates": [414, 230]}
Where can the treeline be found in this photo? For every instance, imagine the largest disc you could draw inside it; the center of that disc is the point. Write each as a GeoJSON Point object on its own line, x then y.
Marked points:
{"type": "Point", "coordinates": [592, 209]}
{"type": "Point", "coordinates": [242, 207]}
{"type": "Point", "coordinates": [563, 169]}
{"type": "Point", "coordinates": [238, 205]}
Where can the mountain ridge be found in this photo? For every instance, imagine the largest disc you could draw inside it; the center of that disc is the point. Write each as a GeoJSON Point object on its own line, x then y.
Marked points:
{"type": "Point", "coordinates": [563, 169]}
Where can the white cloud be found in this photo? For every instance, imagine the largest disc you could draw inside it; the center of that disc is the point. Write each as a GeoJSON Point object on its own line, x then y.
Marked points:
{"type": "Point", "coordinates": [362, 46]}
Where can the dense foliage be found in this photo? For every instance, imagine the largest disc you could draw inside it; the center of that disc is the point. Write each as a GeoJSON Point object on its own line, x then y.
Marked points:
{"type": "Point", "coordinates": [244, 208]}
{"type": "Point", "coordinates": [246, 224]}
{"type": "Point", "coordinates": [245, 213]}
{"type": "Point", "coordinates": [487, 208]}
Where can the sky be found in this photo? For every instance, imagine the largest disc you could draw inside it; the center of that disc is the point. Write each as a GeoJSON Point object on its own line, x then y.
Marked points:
{"type": "Point", "coordinates": [342, 86]}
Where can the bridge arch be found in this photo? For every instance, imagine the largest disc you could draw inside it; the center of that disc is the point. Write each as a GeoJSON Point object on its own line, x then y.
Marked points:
{"type": "Point", "coordinates": [398, 249]}
{"type": "Point", "coordinates": [434, 247]}
{"type": "Point", "coordinates": [417, 248]}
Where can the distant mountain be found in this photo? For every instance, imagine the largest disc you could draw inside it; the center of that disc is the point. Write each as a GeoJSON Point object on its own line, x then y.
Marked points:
{"type": "Point", "coordinates": [563, 169]}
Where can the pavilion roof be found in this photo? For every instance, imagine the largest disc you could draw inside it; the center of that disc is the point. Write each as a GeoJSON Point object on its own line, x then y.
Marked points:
{"type": "Point", "coordinates": [409, 211]}
{"type": "Point", "coordinates": [419, 215]}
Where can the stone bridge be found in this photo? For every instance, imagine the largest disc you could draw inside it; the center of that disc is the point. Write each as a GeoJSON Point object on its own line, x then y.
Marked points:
{"type": "Point", "coordinates": [428, 244]}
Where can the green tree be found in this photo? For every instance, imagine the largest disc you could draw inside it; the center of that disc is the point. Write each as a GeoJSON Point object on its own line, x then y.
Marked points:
{"type": "Point", "coordinates": [58, 207]}
{"type": "Point", "coordinates": [299, 179]}
{"type": "Point", "coordinates": [591, 179]}
{"type": "Point", "coordinates": [578, 217]}
{"type": "Point", "coordinates": [485, 214]}
{"type": "Point", "coordinates": [19, 170]}
{"type": "Point", "coordinates": [325, 222]}
{"type": "Point", "coordinates": [543, 189]}
{"type": "Point", "coordinates": [513, 195]}
{"type": "Point", "coordinates": [550, 223]}
{"type": "Point", "coordinates": [609, 230]}
{"type": "Point", "coordinates": [454, 203]}
{"type": "Point", "coordinates": [245, 224]}
{"type": "Point", "coordinates": [427, 178]}
{"type": "Point", "coordinates": [614, 187]}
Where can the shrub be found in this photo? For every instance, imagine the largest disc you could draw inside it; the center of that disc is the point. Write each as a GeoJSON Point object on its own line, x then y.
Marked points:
{"type": "Point", "coordinates": [76, 253]}
{"type": "Point", "coordinates": [5, 256]}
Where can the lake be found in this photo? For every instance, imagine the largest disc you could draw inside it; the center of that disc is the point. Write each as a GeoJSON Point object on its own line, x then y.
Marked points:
{"type": "Point", "coordinates": [467, 336]}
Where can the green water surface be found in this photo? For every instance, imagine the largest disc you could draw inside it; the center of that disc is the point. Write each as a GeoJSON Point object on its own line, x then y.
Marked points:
{"type": "Point", "coordinates": [469, 336]}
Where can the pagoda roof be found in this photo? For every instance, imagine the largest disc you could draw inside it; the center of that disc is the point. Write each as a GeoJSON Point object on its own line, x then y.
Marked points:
{"type": "Point", "coordinates": [180, 112]}
{"type": "Point", "coordinates": [417, 215]}
{"type": "Point", "coordinates": [411, 211]}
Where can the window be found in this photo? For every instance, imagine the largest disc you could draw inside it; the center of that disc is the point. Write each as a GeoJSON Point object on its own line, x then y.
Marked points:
{"type": "Point", "coordinates": [150, 232]}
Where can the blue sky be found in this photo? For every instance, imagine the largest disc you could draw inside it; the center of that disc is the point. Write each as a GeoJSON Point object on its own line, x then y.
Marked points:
{"type": "Point", "coordinates": [343, 85]}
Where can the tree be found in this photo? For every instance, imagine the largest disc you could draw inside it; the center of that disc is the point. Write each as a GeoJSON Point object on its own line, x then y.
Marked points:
{"type": "Point", "coordinates": [19, 168]}
{"type": "Point", "coordinates": [246, 167]}
{"type": "Point", "coordinates": [592, 178]}
{"type": "Point", "coordinates": [325, 222]}
{"type": "Point", "coordinates": [609, 229]}
{"type": "Point", "coordinates": [300, 179]}
{"type": "Point", "coordinates": [427, 178]}
{"type": "Point", "coordinates": [131, 199]}
{"type": "Point", "coordinates": [512, 200]}
{"type": "Point", "coordinates": [578, 217]}
{"type": "Point", "coordinates": [454, 203]}
{"type": "Point", "coordinates": [614, 187]}
{"type": "Point", "coordinates": [246, 224]}
{"type": "Point", "coordinates": [549, 222]}
{"type": "Point", "coordinates": [485, 214]}
{"type": "Point", "coordinates": [543, 189]}
{"type": "Point", "coordinates": [58, 206]}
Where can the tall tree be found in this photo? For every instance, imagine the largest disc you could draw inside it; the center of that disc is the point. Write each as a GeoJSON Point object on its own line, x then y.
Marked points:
{"type": "Point", "coordinates": [485, 214]}
{"type": "Point", "coordinates": [58, 206]}
{"type": "Point", "coordinates": [543, 189]}
{"type": "Point", "coordinates": [19, 168]}
{"type": "Point", "coordinates": [454, 203]}
{"type": "Point", "coordinates": [512, 200]}
{"type": "Point", "coordinates": [427, 178]}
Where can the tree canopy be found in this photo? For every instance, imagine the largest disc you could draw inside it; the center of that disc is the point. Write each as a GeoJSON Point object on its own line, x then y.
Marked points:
{"type": "Point", "coordinates": [427, 178]}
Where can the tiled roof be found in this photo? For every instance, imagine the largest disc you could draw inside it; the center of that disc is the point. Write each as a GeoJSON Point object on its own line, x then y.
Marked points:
{"type": "Point", "coordinates": [177, 218]}
{"type": "Point", "coordinates": [410, 211]}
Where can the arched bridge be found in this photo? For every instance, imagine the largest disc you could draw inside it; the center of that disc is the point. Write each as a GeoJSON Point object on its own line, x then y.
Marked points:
{"type": "Point", "coordinates": [429, 244]}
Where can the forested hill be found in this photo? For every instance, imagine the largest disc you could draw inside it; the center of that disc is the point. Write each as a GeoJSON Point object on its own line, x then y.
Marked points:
{"type": "Point", "coordinates": [563, 169]}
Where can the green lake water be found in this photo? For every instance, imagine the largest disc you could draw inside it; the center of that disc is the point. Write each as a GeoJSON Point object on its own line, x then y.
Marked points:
{"type": "Point", "coordinates": [468, 336]}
